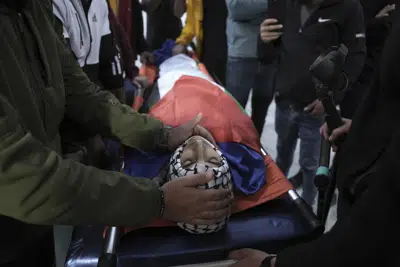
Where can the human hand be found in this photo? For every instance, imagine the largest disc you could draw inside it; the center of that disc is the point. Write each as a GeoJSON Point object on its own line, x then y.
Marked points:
{"type": "Point", "coordinates": [184, 202]}
{"type": "Point", "coordinates": [141, 82]}
{"type": "Point", "coordinates": [147, 58]}
{"type": "Point", "coordinates": [385, 11]}
{"type": "Point", "coordinates": [336, 133]}
{"type": "Point", "coordinates": [179, 49]}
{"type": "Point", "coordinates": [269, 30]}
{"type": "Point", "coordinates": [316, 108]}
{"type": "Point", "coordinates": [180, 134]}
{"type": "Point", "coordinates": [249, 258]}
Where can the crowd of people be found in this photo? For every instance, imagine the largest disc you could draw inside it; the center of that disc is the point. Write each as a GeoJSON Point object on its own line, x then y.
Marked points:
{"type": "Point", "coordinates": [68, 76]}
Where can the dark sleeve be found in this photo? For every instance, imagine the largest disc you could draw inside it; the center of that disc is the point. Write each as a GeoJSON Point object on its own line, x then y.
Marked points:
{"type": "Point", "coordinates": [111, 72]}
{"type": "Point", "coordinates": [354, 38]}
{"type": "Point", "coordinates": [368, 236]}
{"type": "Point", "coordinates": [137, 23]}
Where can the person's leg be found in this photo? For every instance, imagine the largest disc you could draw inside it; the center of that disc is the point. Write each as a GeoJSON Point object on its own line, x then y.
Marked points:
{"type": "Point", "coordinates": [310, 144]}
{"type": "Point", "coordinates": [240, 74]}
{"type": "Point", "coordinates": [287, 131]}
{"type": "Point", "coordinates": [263, 93]}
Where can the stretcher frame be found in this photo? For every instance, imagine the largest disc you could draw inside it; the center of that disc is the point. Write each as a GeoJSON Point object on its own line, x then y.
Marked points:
{"type": "Point", "coordinates": [113, 234]}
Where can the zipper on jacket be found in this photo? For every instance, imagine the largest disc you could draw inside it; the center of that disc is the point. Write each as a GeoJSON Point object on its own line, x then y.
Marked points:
{"type": "Point", "coordinates": [80, 29]}
{"type": "Point", "coordinates": [91, 39]}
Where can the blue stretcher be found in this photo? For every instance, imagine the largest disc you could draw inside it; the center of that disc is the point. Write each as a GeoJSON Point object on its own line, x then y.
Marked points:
{"type": "Point", "coordinates": [270, 227]}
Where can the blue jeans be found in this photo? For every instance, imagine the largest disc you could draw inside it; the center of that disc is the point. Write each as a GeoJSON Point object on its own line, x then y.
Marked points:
{"type": "Point", "coordinates": [244, 74]}
{"type": "Point", "coordinates": [290, 124]}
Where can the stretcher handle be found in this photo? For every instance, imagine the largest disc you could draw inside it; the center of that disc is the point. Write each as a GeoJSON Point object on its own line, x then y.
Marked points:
{"type": "Point", "coordinates": [108, 258]}
{"type": "Point", "coordinates": [303, 207]}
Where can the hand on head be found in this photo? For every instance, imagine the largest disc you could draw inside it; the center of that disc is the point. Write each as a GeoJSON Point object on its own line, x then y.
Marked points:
{"type": "Point", "coordinates": [180, 134]}
{"type": "Point", "coordinates": [184, 202]}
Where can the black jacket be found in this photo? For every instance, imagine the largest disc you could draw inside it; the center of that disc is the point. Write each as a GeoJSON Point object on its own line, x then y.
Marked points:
{"type": "Point", "coordinates": [335, 22]}
{"type": "Point", "coordinates": [368, 237]}
{"type": "Point", "coordinates": [377, 30]}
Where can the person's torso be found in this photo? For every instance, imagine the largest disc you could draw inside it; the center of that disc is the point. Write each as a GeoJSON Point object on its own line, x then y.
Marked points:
{"type": "Point", "coordinates": [31, 80]}
{"type": "Point", "coordinates": [242, 36]}
{"type": "Point", "coordinates": [85, 22]}
{"type": "Point", "coordinates": [162, 25]}
{"type": "Point", "coordinates": [307, 34]}
{"type": "Point", "coordinates": [214, 28]}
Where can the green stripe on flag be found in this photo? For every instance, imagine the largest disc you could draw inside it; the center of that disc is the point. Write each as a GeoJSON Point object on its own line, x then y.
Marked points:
{"type": "Point", "coordinates": [240, 106]}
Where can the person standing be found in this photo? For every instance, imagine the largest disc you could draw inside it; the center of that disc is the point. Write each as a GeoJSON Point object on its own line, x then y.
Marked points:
{"type": "Point", "coordinates": [163, 20]}
{"type": "Point", "coordinates": [248, 68]}
{"type": "Point", "coordinates": [206, 26]}
{"type": "Point", "coordinates": [302, 30]}
{"type": "Point", "coordinates": [41, 82]}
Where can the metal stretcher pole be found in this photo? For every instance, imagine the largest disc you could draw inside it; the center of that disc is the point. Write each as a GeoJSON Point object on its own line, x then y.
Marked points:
{"type": "Point", "coordinates": [108, 257]}
{"type": "Point", "coordinates": [302, 206]}
{"type": "Point", "coordinates": [324, 181]}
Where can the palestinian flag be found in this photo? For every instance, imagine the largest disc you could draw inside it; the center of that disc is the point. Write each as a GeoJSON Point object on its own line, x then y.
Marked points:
{"type": "Point", "coordinates": [182, 97]}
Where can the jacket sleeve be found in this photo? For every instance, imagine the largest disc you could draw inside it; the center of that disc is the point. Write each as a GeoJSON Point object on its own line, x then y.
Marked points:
{"type": "Point", "coordinates": [363, 238]}
{"type": "Point", "coordinates": [100, 110]}
{"type": "Point", "coordinates": [188, 33]}
{"type": "Point", "coordinates": [245, 10]}
{"type": "Point", "coordinates": [111, 72]}
{"type": "Point", "coordinates": [39, 187]}
{"type": "Point", "coordinates": [354, 38]}
{"type": "Point", "coordinates": [137, 17]}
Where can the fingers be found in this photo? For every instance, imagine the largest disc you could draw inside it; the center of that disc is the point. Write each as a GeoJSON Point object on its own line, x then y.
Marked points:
{"type": "Point", "coordinates": [239, 254]}
{"type": "Point", "coordinates": [193, 122]}
{"type": "Point", "coordinates": [310, 106]}
{"type": "Point", "coordinates": [199, 130]}
{"type": "Point", "coordinates": [216, 195]}
{"type": "Point", "coordinates": [268, 22]}
{"type": "Point", "coordinates": [324, 131]}
{"type": "Point", "coordinates": [197, 179]}
{"type": "Point", "coordinates": [220, 204]}
{"type": "Point", "coordinates": [270, 36]}
{"type": "Point", "coordinates": [337, 133]}
{"type": "Point", "coordinates": [271, 28]}
{"type": "Point", "coordinates": [212, 217]}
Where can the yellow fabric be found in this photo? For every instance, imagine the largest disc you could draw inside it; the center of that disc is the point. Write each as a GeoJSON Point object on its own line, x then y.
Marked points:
{"type": "Point", "coordinates": [193, 27]}
{"type": "Point", "coordinates": [114, 6]}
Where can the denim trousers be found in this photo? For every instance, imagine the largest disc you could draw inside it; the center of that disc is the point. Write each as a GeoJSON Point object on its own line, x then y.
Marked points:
{"type": "Point", "coordinates": [244, 74]}
{"type": "Point", "coordinates": [290, 124]}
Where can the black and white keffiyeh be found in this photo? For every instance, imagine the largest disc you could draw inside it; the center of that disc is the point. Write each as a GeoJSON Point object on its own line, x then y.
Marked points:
{"type": "Point", "coordinates": [222, 179]}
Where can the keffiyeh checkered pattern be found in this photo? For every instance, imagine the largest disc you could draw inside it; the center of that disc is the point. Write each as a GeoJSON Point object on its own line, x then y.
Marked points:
{"type": "Point", "coordinates": [222, 179]}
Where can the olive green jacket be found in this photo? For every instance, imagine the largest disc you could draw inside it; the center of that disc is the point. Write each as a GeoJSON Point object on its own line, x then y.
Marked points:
{"type": "Point", "coordinates": [40, 82]}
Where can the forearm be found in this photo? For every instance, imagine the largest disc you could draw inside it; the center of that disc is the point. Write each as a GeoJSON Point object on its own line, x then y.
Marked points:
{"type": "Point", "coordinates": [243, 10]}
{"type": "Point", "coordinates": [41, 188]}
{"type": "Point", "coordinates": [101, 111]}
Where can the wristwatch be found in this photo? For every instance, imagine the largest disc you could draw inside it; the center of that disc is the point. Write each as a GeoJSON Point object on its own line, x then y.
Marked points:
{"type": "Point", "coordinates": [267, 262]}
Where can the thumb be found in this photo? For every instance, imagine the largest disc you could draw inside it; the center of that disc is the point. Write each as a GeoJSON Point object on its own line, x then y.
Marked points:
{"type": "Point", "coordinates": [239, 254]}
{"type": "Point", "coordinates": [193, 122]}
{"type": "Point", "coordinates": [336, 133]}
{"type": "Point", "coordinates": [309, 107]}
{"type": "Point", "coordinates": [198, 179]}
